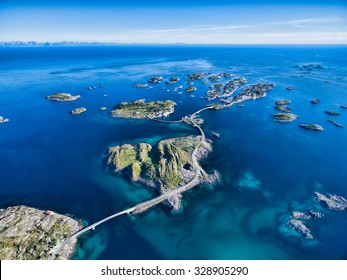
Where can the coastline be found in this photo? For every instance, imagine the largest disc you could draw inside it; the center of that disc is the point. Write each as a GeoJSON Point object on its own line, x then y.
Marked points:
{"type": "Point", "coordinates": [46, 229]}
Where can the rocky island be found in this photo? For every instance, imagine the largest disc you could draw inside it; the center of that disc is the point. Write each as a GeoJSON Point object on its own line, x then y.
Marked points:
{"type": "Point", "coordinates": [3, 120]}
{"type": "Point", "coordinates": [78, 111]}
{"type": "Point", "coordinates": [155, 79]}
{"type": "Point", "coordinates": [29, 234]}
{"type": "Point", "coordinates": [281, 105]}
{"type": "Point", "coordinates": [331, 201]}
{"type": "Point", "coordinates": [312, 126]}
{"type": "Point", "coordinates": [139, 109]}
{"type": "Point", "coordinates": [62, 97]}
{"type": "Point", "coordinates": [284, 117]}
{"type": "Point", "coordinates": [170, 164]}
{"type": "Point", "coordinates": [140, 85]}
{"type": "Point", "coordinates": [336, 123]}
{"type": "Point", "coordinates": [172, 80]}
{"type": "Point", "coordinates": [283, 102]}
{"type": "Point", "coordinates": [297, 223]}
{"type": "Point", "coordinates": [332, 113]}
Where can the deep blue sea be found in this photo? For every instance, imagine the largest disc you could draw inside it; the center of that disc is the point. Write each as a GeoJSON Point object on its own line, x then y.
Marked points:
{"type": "Point", "coordinates": [52, 160]}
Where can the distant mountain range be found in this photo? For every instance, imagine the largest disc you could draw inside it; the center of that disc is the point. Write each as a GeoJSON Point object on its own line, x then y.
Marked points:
{"type": "Point", "coordinates": [64, 43]}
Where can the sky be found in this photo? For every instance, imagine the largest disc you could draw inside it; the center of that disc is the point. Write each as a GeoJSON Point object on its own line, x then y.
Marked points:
{"type": "Point", "coordinates": [170, 22]}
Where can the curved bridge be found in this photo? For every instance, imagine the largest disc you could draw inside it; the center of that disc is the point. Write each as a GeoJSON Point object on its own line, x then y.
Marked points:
{"type": "Point", "coordinates": [144, 206]}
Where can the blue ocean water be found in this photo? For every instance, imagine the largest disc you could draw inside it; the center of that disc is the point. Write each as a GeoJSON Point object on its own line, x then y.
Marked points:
{"type": "Point", "coordinates": [52, 160]}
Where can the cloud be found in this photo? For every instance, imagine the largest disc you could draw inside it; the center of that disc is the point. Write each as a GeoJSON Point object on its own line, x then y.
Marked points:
{"type": "Point", "coordinates": [310, 21]}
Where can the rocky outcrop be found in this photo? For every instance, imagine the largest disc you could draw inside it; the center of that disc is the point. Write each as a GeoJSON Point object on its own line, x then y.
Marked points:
{"type": "Point", "coordinates": [3, 120]}
{"type": "Point", "coordinates": [140, 85]}
{"type": "Point", "coordinates": [197, 76]}
{"type": "Point", "coordinates": [78, 111]}
{"type": "Point", "coordinates": [155, 79]}
{"type": "Point", "coordinates": [300, 228]}
{"type": "Point", "coordinates": [336, 123]}
{"type": "Point", "coordinates": [190, 89]}
{"type": "Point", "coordinates": [331, 201]}
{"type": "Point", "coordinates": [172, 80]}
{"type": "Point", "coordinates": [312, 126]}
{"type": "Point", "coordinates": [284, 117]}
{"type": "Point", "coordinates": [283, 102]}
{"type": "Point", "coordinates": [62, 97]}
{"type": "Point", "coordinates": [295, 223]}
{"type": "Point", "coordinates": [332, 113]}
{"type": "Point", "coordinates": [28, 234]}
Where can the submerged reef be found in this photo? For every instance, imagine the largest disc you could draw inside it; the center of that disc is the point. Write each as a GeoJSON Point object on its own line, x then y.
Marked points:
{"type": "Point", "coordinates": [297, 223]}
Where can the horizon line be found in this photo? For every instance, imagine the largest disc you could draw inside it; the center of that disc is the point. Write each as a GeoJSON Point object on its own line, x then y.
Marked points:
{"type": "Point", "coordinates": [33, 43]}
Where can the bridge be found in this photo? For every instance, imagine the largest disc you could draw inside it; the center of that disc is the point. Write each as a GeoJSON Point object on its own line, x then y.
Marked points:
{"type": "Point", "coordinates": [144, 206]}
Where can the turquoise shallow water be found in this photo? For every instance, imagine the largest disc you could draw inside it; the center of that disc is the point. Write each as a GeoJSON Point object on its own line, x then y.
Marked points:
{"type": "Point", "coordinates": [50, 159]}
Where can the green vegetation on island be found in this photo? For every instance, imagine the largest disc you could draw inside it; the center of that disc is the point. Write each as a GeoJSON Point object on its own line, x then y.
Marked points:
{"type": "Point", "coordinates": [139, 109]}
{"type": "Point", "coordinates": [62, 97]}
{"type": "Point", "coordinates": [284, 117]}
{"type": "Point", "coordinates": [167, 165]}
{"type": "Point", "coordinates": [30, 234]}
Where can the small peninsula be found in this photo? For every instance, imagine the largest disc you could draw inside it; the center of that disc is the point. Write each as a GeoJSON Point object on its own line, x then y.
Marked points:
{"type": "Point", "coordinates": [62, 97]}
{"type": "Point", "coordinates": [139, 109]}
{"type": "Point", "coordinates": [30, 234]}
